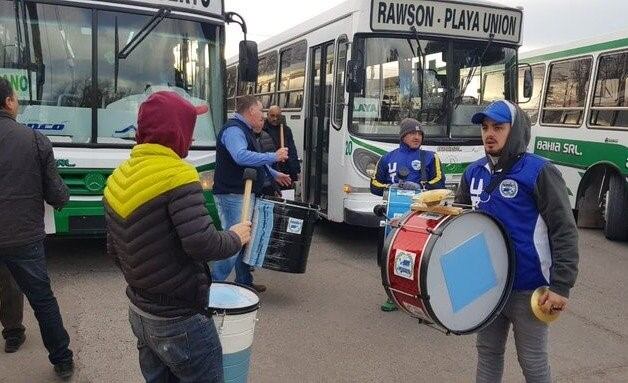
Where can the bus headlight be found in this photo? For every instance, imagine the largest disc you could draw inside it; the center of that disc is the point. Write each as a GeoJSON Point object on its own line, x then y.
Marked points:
{"type": "Point", "coordinates": [207, 179]}
{"type": "Point", "coordinates": [365, 161]}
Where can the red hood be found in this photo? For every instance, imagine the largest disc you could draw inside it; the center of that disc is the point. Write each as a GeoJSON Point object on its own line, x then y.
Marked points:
{"type": "Point", "coordinates": [167, 119]}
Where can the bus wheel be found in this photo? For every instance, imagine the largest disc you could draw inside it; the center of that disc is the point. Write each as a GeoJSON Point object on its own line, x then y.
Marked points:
{"type": "Point", "coordinates": [616, 226]}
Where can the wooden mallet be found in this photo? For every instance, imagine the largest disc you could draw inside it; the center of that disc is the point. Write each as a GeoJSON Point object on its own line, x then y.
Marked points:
{"type": "Point", "coordinates": [281, 140]}
{"type": "Point", "coordinates": [248, 177]}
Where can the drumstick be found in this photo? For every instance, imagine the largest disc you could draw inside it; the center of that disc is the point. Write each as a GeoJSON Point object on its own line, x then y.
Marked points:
{"type": "Point", "coordinates": [281, 140]}
{"type": "Point", "coordinates": [248, 176]}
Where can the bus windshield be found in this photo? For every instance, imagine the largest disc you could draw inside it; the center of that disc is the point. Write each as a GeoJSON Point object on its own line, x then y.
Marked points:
{"type": "Point", "coordinates": [74, 100]}
{"type": "Point", "coordinates": [441, 83]}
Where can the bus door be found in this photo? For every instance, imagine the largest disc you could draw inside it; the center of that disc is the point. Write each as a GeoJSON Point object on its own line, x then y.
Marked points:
{"type": "Point", "coordinates": [320, 78]}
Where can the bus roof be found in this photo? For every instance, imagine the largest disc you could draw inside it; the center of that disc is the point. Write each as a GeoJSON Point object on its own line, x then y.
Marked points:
{"type": "Point", "coordinates": [198, 7]}
{"type": "Point", "coordinates": [616, 40]}
{"type": "Point", "coordinates": [351, 7]}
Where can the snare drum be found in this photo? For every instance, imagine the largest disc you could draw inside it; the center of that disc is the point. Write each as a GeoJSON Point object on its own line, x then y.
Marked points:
{"type": "Point", "coordinates": [234, 308]}
{"type": "Point", "coordinates": [281, 233]}
{"type": "Point", "coordinates": [455, 272]}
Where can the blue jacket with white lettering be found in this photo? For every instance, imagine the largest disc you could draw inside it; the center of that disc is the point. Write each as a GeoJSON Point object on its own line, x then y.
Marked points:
{"type": "Point", "coordinates": [530, 199]}
{"type": "Point", "coordinates": [413, 160]}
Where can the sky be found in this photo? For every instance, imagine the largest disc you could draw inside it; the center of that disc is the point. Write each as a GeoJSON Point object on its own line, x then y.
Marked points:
{"type": "Point", "coordinates": [546, 22]}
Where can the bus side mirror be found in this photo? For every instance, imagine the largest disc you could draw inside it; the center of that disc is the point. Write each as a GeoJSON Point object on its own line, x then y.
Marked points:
{"type": "Point", "coordinates": [248, 61]}
{"type": "Point", "coordinates": [528, 83]}
{"type": "Point", "coordinates": [355, 77]}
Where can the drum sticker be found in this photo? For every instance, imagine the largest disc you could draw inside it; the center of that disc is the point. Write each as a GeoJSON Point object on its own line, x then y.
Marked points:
{"type": "Point", "coordinates": [508, 188]}
{"type": "Point", "coordinates": [468, 272]}
{"type": "Point", "coordinates": [404, 264]}
{"type": "Point", "coordinates": [431, 215]}
{"type": "Point", "coordinates": [295, 225]}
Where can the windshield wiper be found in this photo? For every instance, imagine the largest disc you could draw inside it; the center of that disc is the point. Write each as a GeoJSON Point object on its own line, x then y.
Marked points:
{"type": "Point", "coordinates": [122, 54]}
{"type": "Point", "coordinates": [467, 81]}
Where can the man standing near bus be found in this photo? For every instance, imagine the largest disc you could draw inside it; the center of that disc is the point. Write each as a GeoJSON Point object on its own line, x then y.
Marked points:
{"type": "Point", "coordinates": [527, 194]}
{"type": "Point", "coordinates": [236, 149]}
{"type": "Point", "coordinates": [423, 166]}
{"type": "Point", "coordinates": [162, 239]}
{"type": "Point", "coordinates": [28, 177]}
{"type": "Point", "coordinates": [273, 125]}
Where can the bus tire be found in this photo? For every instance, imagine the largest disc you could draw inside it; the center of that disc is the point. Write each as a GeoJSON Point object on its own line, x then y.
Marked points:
{"type": "Point", "coordinates": [616, 226]}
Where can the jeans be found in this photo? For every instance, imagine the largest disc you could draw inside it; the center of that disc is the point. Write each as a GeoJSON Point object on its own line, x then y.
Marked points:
{"type": "Point", "coordinates": [27, 264]}
{"type": "Point", "coordinates": [185, 349]}
{"type": "Point", "coordinates": [230, 210]}
{"type": "Point", "coordinates": [530, 341]}
{"type": "Point", "coordinates": [11, 305]}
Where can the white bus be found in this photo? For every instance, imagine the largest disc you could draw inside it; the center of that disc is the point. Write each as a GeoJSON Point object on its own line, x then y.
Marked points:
{"type": "Point", "coordinates": [347, 77]}
{"type": "Point", "coordinates": [579, 110]}
{"type": "Point", "coordinates": [82, 68]}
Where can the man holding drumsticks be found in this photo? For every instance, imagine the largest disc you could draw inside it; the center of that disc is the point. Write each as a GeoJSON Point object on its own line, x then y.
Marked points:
{"type": "Point", "coordinates": [527, 194]}
{"type": "Point", "coordinates": [236, 149]}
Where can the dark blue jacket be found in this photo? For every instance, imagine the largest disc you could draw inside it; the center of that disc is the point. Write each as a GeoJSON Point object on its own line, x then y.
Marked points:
{"type": "Point", "coordinates": [228, 175]}
{"type": "Point", "coordinates": [412, 159]}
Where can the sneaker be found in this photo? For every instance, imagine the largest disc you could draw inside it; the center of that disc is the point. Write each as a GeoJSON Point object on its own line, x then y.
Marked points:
{"type": "Point", "coordinates": [13, 343]}
{"type": "Point", "coordinates": [258, 288]}
{"type": "Point", "coordinates": [64, 370]}
{"type": "Point", "coordinates": [389, 306]}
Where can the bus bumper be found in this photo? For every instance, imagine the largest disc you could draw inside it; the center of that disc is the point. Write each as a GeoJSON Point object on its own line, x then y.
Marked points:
{"type": "Point", "coordinates": [358, 209]}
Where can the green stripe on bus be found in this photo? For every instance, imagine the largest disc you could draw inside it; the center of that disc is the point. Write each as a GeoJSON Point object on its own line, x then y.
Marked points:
{"type": "Point", "coordinates": [608, 45]}
{"type": "Point", "coordinates": [73, 209]}
{"type": "Point", "coordinates": [372, 148]}
{"type": "Point", "coordinates": [582, 154]}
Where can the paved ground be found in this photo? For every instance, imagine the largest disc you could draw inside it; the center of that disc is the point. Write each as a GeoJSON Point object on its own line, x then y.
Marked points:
{"type": "Point", "coordinates": [325, 325]}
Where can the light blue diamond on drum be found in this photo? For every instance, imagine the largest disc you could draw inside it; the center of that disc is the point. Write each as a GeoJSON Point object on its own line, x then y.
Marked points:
{"type": "Point", "coordinates": [468, 272]}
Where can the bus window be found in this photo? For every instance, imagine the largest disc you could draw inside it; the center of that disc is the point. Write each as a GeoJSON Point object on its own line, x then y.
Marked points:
{"type": "Point", "coordinates": [185, 58]}
{"type": "Point", "coordinates": [566, 92]}
{"type": "Point", "coordinates": [292, 75]}
{"type": "Point", "coordinates": [10, 42]}
{"type": "Point", "coordinates": [232, 74]}
{"type": "Point", "coordinates": [494, 87]}
{"type": "Point", "coordinates": [339, 83]}
{"type": "Point", "coordinates": [532, 106]}
{"type": "Point", "coordinates": [266, 79]}
{"type": "Point", "coordinates": [610, 101]}
{"type": "Point", "coordinates": [61, 46]}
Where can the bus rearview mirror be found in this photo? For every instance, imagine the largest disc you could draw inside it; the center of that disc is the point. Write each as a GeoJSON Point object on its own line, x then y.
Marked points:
{"type": "Point", "coordinates": [248, 61]}
{"type": "Point", "coordinates": [528, 83]}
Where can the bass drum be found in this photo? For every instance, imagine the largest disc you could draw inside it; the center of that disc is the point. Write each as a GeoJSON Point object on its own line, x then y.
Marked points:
{"type": "Point", "coordinates": [452, 271]}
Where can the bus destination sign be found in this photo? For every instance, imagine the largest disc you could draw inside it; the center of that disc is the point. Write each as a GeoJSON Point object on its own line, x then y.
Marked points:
{"type": "Point", "coordinates": [452, 19]}
{"type": "Point", "coordinates": [208, 7]}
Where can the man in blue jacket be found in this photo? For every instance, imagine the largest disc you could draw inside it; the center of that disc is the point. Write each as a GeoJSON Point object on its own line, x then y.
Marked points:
{"type": "Point", "coordinates": [237, 148]}
{"type": "Point", "coordinates": [528, 195]}
{"type": "Point", "coordinates": [423, 166]}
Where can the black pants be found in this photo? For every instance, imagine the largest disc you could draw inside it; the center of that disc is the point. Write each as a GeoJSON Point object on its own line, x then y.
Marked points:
{"type": "Point", "coordinates": [11, 305]}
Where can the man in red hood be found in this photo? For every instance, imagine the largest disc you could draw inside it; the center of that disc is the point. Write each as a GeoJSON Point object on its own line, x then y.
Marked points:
{"type": "Point", "coordinates": [160, 234]}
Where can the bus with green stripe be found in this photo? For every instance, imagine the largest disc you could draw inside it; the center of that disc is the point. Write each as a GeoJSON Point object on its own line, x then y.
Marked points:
{"type": "Point", "coordinates": [579, 111]}
{"type": "Point", "coordinates": [347, 77]}
{"type": "Point", "coordinates": [82, 68]}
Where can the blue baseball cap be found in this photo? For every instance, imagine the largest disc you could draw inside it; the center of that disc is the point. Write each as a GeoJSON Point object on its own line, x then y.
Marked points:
{"type": "Point", "coordinates": [499, 111]}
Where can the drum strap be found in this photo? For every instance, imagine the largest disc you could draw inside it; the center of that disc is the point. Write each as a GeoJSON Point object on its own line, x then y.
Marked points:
{"type": "Point", "coordinates": [424, 179]}
{"type": "Point", "coordinates": [499, 177]}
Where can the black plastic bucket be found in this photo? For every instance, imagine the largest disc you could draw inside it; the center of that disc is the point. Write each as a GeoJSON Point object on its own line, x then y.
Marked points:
{"type": "Point", "coordinates": [291, 236]}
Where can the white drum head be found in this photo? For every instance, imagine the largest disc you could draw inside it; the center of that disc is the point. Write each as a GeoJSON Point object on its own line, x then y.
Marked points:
{"type": "Point", "coordinates": [232, 298]}
{"type": "Point", "coordinates": [468, 273]}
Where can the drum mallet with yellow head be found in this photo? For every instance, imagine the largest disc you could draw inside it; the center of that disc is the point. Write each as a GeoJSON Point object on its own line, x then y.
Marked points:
{"type": "Point", "coordinates": [249, 176]}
